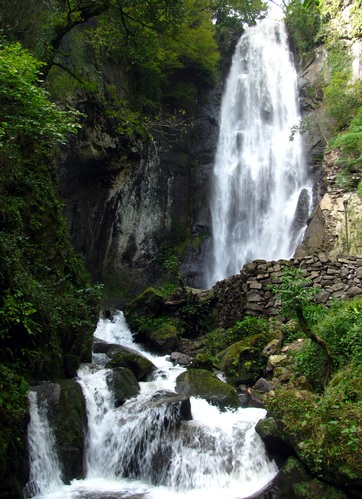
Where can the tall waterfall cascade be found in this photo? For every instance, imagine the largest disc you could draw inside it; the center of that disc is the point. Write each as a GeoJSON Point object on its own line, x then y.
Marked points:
{"type": "Point", "coordinates": [260, 189]}
{"type": "Point", "coordinates": [132, 453]}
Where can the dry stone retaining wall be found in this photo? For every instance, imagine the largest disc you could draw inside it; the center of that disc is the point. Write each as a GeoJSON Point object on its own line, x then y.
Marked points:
{"type": "Point", "coordinates": [248, 293]}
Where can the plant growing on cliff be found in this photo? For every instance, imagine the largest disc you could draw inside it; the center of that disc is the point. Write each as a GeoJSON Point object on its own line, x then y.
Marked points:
{"type": "Point", "coordinates": [295, 293]}
{"type": "Point", "coordinates": [28, 118]}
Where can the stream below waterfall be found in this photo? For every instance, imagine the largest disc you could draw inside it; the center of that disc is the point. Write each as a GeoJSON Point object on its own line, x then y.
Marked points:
{"type": "Point", "coordinates": [216, 454]}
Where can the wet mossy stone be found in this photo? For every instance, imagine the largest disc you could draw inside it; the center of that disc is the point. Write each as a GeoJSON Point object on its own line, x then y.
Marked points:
{"type": "Point", "coordinates": [124, 385]}
{"type": "Point", "coordinates": [294, 481]}
{"type": "Point", "coordinates": [173, 400]}
{"type": "Point", "coordinates": [204, 384]}
{"type": "Point", "coordinates": [139, 365]}
{"type": "Point", "coordinates": [165, 339]}
{"type": "Point", "coordinates": [274, 440]}
{"type": "Point", "coordinates": [147, 304]}
{"type": "Point", "coordinates": [242, 361]}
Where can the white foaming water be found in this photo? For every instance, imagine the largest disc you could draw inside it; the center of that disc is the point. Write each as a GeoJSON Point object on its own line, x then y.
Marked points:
{"type": "Point", "coordinates": [140, 450]}
{"type": "Point", "coordinates": [259, 173]}
{"type": "Point", "coordinates": [45, 470]}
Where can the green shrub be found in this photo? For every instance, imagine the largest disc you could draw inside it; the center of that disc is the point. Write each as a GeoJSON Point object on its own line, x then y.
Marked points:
{"type": "Point", "coordinates": [326, 432]}
{"type": "Point", "coordinates": [220, 339]}
{"type": "Point", "coordinates": [341, 327]}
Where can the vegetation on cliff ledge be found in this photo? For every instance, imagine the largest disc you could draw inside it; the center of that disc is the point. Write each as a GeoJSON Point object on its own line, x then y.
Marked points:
{"type": "Point", "coordinates": [48, 304]}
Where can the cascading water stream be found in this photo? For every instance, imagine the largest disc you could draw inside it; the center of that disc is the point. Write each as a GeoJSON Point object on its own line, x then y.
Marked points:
{"type": "Point", "coordinates": [259, 174]}
{"type": "Point", "coordinates": [45, 471]}
{"type": "Point", "coordinates": [140, 450]}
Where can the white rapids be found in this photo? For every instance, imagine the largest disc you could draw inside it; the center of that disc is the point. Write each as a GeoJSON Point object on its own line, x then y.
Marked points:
{"type": "Point", "coordinates": [132, 453]}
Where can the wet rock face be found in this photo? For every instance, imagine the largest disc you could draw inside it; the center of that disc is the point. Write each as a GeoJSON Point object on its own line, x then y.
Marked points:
{"type": "Point", "coordinates": [124, 200]}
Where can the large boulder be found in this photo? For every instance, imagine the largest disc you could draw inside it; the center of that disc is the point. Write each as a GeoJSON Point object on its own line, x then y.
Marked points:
{"type": "Point", "coordinates": [162, 339]}
{"type": "Point", "coordinates": [172, 399]}
{"type": "Point", "coordinates": [124, 384]}
{"type": "Point", "coordinates": [137, 363]}
{"type": "Point", "coordinates": [242, 361]}
{"type": "Point", "coordinates": [147, 304]}
{"type": "Point", "coordinates": [204, 384]}
{"type": "Point", "coordinates": [274, 440]}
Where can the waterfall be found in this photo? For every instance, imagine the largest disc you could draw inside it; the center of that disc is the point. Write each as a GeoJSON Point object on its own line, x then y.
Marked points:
{"type": "Point", "coordinates": [45, 470]}
{"type": "Point", "coordinates": [143, 449]}
{"type": "Point", "coordinates": [259, 174]}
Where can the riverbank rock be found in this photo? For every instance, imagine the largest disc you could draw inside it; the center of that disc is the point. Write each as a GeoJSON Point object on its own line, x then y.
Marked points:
{"type": "Point", "coordinates": [147, 304]}
{"type": "Point", "coordinates": [294, 481]}
{"type": "Point", "coordinates": [274, 440]}
{"type": "Point", "coordinates": [163, 339]}
{"type": "Point", "coordinates": [204, 384]}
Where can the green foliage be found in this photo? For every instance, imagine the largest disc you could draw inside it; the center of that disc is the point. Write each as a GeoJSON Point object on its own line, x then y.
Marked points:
{"type": "Point", "coordinates": [220, 339]}
{"type": "Point", "coordinates": [326, 431]}
{"type": "Point", "coordinates": [359, 189]}
{"type": "Point", "coordinates": [349, 143]}
{"type": "Point", "coordinates": [302, 20]}
{"type": "Point", "coordinates": [29, 121]}
{"type": "Point", "coordinates": [293, 291]}
{"type": "Point", "coordinates": [48, 304]}
{"type": "Point", "coordinates": [341, 327]}
{"type": "Point", "coordinates": [196, 316]}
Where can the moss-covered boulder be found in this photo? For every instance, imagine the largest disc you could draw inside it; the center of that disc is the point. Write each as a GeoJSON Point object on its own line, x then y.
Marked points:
{"type": "Point", "coordinates": [242, 361]}
{"type": "Point", "coordinates": [137, 363]}
{"type": "Point", "coordinates": [159, 336]}
{"type": "Point", "coordinates": [204, 384]}
{"type": "Point", "coordinates": [124, 384]}
{"type": "Point", "coordinates": [147, 304]}
{"type": "Point", "coordinates": [275, 441]}
{"type": "Point", "coordinates": [67, 417]}
{"type": "Point", "coordinates": [294, 481]}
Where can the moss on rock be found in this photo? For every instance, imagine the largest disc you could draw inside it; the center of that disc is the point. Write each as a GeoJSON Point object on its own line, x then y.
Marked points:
{"type": "Point", "coordinates": [242, 361]}
{"type": "Point", "coordinates": [204, 384]}
{"type": "Point", "coordinates": [139, 365]}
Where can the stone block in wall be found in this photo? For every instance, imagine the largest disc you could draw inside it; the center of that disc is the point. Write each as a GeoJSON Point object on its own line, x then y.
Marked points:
{"type": "Point", "coordinates": [323, 258]}
{"type": "Point", "coordinates": [332, 271]}
{"type": "Point", "coordinates": [256, 307]}
{"type": "Point", "coordinates": [255, 285]}
{"type": "Point", "coordinates": [262, 276]}
{"type": "Point", "coordinates": [354, 291]}
{"type": "Point", "coordinates": [338, 286]}
{"type": "Point", "coordinates": [254, 296]}
{"type": "Point", "coordinates": [340, 295]}
{"type": "Point", "coordinates": [322, 297]}
{"type": "Point", "coordinates": [351, 260]}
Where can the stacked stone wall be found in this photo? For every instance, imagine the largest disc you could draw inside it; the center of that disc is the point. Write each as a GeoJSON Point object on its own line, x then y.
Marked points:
{"type": "Point", "coordinates": [248, 293]}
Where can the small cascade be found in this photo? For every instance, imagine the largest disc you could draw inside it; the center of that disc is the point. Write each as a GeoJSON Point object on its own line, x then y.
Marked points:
{"type": "Point", "coordinates": [45, 470]}
{"type": "Point", "coordinates": [259, 174]}
{"type": "Point", "coordinates": [150, 449]}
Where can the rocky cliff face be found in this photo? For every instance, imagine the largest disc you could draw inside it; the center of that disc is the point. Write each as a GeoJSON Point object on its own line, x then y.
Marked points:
{"type": "Point", "coordinates": [131, 204]}
{"type": "Point", "coordinates": [334, 226]}
{"type": "Point", "coordinates": [127, 203]}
